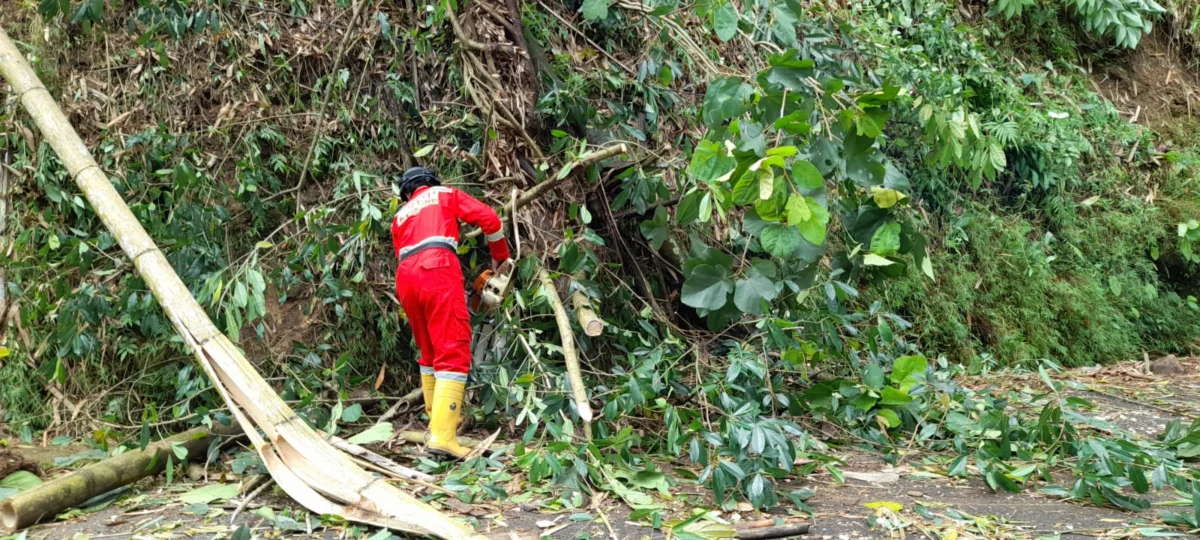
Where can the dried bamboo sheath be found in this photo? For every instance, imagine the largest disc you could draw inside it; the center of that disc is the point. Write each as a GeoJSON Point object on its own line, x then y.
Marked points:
{"type": "Point", "coordinates": [314, 473]}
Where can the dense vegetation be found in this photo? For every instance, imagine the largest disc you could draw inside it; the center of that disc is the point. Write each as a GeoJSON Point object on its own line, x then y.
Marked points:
{"type": "Point", "coordinates": [830, 210]}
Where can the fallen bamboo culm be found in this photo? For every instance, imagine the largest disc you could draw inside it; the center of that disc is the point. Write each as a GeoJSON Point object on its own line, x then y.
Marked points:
{"type": "Point", "coordinates": [307, 468]}
{"type": "Point", "coordinates": [585, 314]}
{"type": "Point", "coordinates": [570, 356]}
{"type": "Point", "coordinates": [767, 530]}
{"type": "Point", "coordinates": [53, 497]}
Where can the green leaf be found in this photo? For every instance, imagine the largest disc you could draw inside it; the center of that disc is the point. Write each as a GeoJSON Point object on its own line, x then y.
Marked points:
{"type": "Point", "coordinates": [766, 182]}
{"type": "Point", "coordinates": [706, 288]}
{"type": "Point", "coordinates": [20, 481]}
{"type": "Point", "coordinates": [726, 98]}
{"type": "Point", "coordinates": [594, 10]}
{"type": "Point", "coordinates": [784, 27]}
{"type": "Point", "coordinates": [797, 210]}
{"type": "Point", "coordinates": [781, 241]}
{"type": "Point", "coordinates": [749, 293]}
{"type": "Point", "coordinates": [711, 161]}
{"type": "Point", "coordinates": [4, 352]}
{"type": "Point", "coordinates": [1138, 478]}
{"type": "Point", "coordinates": [806, 175]}
{"type": "Point", "coordinates": [906, 369]}
{"type": "Point", "coordinates": [689, 207]}
{"type": "Point", "coordinates": [748, 187]}
{"type": "Point", "coordinates": [891, 395]}
{"type": "Point", "coordinates": [1114, 285]}
{"type": "Point", "coordinates": [425, 150]}
{"type": "Point", "coordinates": [871, 259]}
{"type": "Point", "coordinates": [789, 70]}
{"type": "Point", "coordinates": [886, 240]}
{"type": "Point", "coordinates": [873, 376]}
{"type": "Point", "coordinates": [725, 21]}
{"type": "Point", "coordinates": [814, 228]}
{"type": "Point", "coordinates": [210, 493]}
{"type": "Point", "coordinates": [886, 197]}
{"type": "Point", "coordinates": [352, 413]}
{"type": "Point", "coordinates": [376, 433]}
{"type": "Point", "coordinates": [794, 123]}
{"type": "Point", "coordinates": [242, 533]}
{"type": "Point", "coordinates": [890, 416]}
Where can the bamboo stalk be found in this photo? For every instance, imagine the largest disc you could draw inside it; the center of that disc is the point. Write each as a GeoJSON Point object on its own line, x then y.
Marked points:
{"type": "Point", "coordinates": [570, 356]}
{"type": "Point", "coordinates": [585, 314]}
{"type": "Point", "coordinates": [51, 498]}
{"type": "Point", "coordinates": [308, 469]}
{"type": "Point", "coordinates": [767, 533]}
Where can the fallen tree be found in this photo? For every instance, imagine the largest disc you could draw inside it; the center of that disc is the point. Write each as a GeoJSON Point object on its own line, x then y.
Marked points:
{"type": "Point", "coordinates": [308, 468]}
{"type": "Point", "coordinates": [50, 498]}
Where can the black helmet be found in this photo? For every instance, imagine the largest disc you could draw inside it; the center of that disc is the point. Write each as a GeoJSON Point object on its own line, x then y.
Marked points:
{"type": "Point", "coordinates": [414, 178]}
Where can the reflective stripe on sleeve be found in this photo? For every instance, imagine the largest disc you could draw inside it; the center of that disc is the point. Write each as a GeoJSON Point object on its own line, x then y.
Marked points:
{"type": "Point", "coordinates": [496, 236]}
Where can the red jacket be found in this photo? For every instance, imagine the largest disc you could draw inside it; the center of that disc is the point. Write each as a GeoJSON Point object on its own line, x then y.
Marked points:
{"type": "Point", "coordinates": [432, 216]}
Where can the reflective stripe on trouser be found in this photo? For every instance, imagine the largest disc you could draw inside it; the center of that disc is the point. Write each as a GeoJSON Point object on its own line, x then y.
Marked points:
{"type": "Point", "coordinates": [430, 288]}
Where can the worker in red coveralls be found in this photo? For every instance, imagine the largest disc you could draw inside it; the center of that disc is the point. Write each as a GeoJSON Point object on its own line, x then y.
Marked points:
{"type": "Point", "coordinates": [429, 283]}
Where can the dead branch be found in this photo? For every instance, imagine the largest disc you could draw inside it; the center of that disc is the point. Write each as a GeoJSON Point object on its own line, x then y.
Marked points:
{"type": "Point", "coordinates": [583, 162]}
{"type": "Point", "coordinates": [472, 44]}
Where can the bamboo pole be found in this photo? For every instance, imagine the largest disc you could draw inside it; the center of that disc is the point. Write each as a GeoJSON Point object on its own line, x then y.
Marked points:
{"type": "Point", "coordinates": [585, 314]}
{"type": "Point", "coordinates": [51, 498]}
{"type": "Point", "coordinates": [570, 356]}
{"type": "Point", "coordinates": [308, 469]}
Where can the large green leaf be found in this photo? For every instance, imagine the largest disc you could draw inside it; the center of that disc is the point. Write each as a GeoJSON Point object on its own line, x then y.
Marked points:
{"type": "Point", "coordinates": [711, 161]}
{"type": "Point", "coordinates": [655, 230]}
{"type": "Point", "coordinates": [886, 240]}
{"type": "Point", "coordinates": [748, 188]}
{"type": "Point", "coordinates": [726, 98]}
{"type": "Point", "coordinates": [891, 395]}
{"type": "Point", "coordinates": [797, 209]}
{"type": "Point", "coordinates": [17, 482]}
{"type": "Point", "coordinates": [806, 175]}
{"type": "Point", "coordinates": [689, 207]}
{"type": "Point", "coordinates": [886, 197]}
{"type": "Point", "coordinates": [790, 71]}
{"type": "Point", "coordinates": [784, 27]}
{"type": "Point", "coordinates": [210, 493]}
{"type": "Point", "coordinates": [813, 229]}
{"type": "Point", "coordinates": [749, 293]}
{"type": "Point", "coordinates": [725, 21]}
{"type": "Point", "coordinates": [706, 288]}
{"type": "Point", "coordinates": [906, 369]}
{"type": "Point", "coordinates": [781, 240]}
{"type": "Point", "coordinates": [594, 10]}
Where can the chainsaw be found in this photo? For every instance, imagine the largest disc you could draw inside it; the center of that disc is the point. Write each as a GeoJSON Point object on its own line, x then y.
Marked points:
{"type": "Point", "coordinates": [490, 288]}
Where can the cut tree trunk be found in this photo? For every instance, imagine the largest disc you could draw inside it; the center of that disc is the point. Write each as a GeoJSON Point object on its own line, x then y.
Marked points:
{"type": "Point", "coordinates": [310, 470]}
{"type": "Point", "coordinates": [51, 498]}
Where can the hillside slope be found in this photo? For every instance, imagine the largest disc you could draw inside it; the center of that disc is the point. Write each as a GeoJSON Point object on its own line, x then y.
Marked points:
{"type": "Point", "coordinates": [817, 195]}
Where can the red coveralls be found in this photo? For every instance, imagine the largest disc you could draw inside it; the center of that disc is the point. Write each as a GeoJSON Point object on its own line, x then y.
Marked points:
{"type": "Point", "coordinates": [429, 280]}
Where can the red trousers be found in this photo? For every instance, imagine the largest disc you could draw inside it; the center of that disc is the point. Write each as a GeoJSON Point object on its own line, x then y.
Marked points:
{"type": "Point", "coordinates": [429, 285]}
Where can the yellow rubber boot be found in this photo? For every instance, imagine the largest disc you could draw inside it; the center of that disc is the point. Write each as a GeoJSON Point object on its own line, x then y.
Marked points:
{"type": "Point", "coordinates": [447, 410]}
{"type": "Point", "coordinates": [427, 384]}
